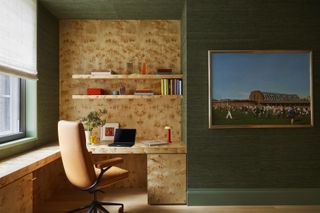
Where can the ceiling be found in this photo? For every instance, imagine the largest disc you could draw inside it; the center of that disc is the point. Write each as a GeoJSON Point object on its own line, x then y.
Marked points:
{"type": "Point", "coordinates": [115, 9]}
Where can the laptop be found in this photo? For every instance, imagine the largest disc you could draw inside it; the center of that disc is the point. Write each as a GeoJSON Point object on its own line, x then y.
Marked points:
{"type": "Point", "coordinates": [124, 137]}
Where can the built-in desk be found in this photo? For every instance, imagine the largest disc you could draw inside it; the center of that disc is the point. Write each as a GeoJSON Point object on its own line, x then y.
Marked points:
{"type": "Point", "coordinates": [166, 169]}
{"type": "Point", "coordinates": [138, 148]}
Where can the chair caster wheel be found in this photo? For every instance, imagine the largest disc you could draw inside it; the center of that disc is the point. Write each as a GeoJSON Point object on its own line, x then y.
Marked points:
{"type": "Point", "coordinates": [121, 209]}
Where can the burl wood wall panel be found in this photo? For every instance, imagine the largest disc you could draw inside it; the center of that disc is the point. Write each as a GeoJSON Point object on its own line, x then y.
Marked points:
{"type": "Point", "coordinates": [166, 178]}
{"type": "Point", "coordinates": [136, 165]}
{"type": "Point", "coordinates": [17, 196]}
{"type": "Point", "coordinates": [87, 45]}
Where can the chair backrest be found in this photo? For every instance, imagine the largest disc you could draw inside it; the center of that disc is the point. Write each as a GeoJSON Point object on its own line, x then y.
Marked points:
{"type": "Point", "coordinates": [76, 159]}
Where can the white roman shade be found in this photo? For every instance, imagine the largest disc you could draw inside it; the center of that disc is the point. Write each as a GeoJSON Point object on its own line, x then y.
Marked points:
{"type": "Point", "coordinates": [18, 38]}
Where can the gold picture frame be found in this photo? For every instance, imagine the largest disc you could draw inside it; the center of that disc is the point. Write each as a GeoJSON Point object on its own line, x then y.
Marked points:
{"type": "Point", "coordinates": [260, 88]}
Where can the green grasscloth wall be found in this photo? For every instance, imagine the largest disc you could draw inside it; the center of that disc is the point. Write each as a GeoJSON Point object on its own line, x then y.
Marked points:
{"type": "Point", "coordinates": [48, 73]}
{"type": "Point", "coordinates": [250, 159]}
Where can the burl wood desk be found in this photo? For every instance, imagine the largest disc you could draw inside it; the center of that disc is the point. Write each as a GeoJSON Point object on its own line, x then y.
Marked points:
{"type": "Point", "coordinates": [166, 169]}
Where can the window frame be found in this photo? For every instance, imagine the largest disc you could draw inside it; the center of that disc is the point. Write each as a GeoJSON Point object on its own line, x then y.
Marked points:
{"type": "Point", "coordinates": [22, 109]}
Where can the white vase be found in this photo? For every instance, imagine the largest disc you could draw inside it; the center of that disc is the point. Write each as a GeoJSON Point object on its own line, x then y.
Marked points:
{"type": "Point", "coordinates": [88, 134]}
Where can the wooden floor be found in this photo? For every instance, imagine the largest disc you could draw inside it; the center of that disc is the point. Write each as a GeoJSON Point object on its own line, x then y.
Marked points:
{"type": "Point", "coordinates": [135, 201]}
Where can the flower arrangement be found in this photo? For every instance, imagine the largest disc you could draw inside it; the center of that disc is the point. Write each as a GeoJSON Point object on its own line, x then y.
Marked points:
{"type": "Point", "coordinates": [93, 120]}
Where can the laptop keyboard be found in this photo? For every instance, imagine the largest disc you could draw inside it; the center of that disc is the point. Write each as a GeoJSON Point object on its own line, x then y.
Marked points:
{"type": "Point", "coordinates": [122, 144]}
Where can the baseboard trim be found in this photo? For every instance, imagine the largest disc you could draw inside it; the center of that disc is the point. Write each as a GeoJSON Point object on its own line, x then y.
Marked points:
{"type": "Point", "coordinates": [213, 196]}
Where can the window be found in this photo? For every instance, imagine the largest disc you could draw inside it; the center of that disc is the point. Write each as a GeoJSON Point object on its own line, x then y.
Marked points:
{"type": "Point", "coordinates": [18, 61]}
{"type": "Point", "coordinates": [12, 108]}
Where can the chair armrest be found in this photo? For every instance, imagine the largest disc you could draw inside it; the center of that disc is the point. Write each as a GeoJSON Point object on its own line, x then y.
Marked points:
{"type": "Point", "coordinates": [108, 163]}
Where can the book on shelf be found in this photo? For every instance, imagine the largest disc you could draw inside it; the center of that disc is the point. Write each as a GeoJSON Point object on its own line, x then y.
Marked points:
{"type": "Point", "coordinates": [144, 92]}
{"type": "Point", "coordinates": [171, 86]}
{"type": "Point", "coordinates": [164, 71]}
{"type": "Point", "coordinates": [102, 72]}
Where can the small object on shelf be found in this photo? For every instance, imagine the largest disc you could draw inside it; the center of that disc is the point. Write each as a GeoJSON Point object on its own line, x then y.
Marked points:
{"type": "Point", "coordinates": [115, 92]}
{"type": "Point", "coordinates": [169, 133]}
{"type": "Point", "coordinates": [95, 91]}
{"type": "Point", "coordinates": [129, 68]}
{"type": "Point", "coordinates": [162, 71]}
{"type": "Point", "coordinates": [122, 90]}
{"type": "Point", "coordinates": [144, 69]}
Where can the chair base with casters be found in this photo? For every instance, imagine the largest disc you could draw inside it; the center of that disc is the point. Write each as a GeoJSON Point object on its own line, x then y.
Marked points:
{"type": "Point", "coordinates": [96, 205]}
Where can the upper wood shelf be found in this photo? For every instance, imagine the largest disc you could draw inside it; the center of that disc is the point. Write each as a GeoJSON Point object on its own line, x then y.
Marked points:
{"type": "Point", "coordinates": [130, 76]}
{"type": "Point", "coordinates": [124, 96]}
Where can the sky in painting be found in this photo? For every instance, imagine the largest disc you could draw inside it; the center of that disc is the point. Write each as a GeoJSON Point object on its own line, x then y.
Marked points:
{"type": "Point", "coordinates": [235, 75]}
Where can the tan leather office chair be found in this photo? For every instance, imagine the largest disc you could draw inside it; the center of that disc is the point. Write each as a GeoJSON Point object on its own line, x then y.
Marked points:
{"type": "Point", "coordinates": [81, 171]}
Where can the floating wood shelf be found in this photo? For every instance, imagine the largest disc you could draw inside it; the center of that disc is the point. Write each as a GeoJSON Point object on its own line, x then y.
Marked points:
{"type": "Point", "coordinates": [124, 96]}
{"type": "Point", "coordinates": [130, 76]}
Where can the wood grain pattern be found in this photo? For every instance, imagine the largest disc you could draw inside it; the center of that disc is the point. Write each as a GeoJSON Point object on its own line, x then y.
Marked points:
{"type": "Point", "coordinates": [48, 180]}
{"type": "Point", "coordinates": [87, 45]}
{"type": "Point", "coordinates": [166, 178]}
{"type": "Point", "coordinates": [18, 166]}
{"type": "Point", "coordinates": [17, 197]}
{"type": "Point", "coordinates": [135, 164]}
{"type": "Point", "coordinates": [138, 148]}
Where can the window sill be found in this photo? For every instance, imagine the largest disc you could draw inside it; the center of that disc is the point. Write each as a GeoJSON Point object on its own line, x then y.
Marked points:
{"type": "Point", "coordinates": [17, 166]}
{"type": "Point", "coordinates": [17, 142]}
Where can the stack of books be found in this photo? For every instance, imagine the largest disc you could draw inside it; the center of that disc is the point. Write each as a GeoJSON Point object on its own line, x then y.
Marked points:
{"type": "Point", "coordinates": [164, 71]}
{"type": "Point", "coordinates": [171, 87]}
{"type": "Point", "coordinates": [102, 72]}
{"type": "Point", "coordinates": [144, 92]}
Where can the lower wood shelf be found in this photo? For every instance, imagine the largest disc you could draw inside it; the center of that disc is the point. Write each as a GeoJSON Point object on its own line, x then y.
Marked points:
{"type": "Point", "coordinates": [124, 96]}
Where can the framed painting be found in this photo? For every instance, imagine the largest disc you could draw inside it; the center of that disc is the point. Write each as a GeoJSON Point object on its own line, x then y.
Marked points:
{"type": "Point", "coordinates": [260, 88]}
{"type": "Point", "coordinates": [108, 131]}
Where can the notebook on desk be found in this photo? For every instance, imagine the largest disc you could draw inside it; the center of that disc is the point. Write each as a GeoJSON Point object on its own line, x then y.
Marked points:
{"type": "Point", "coordinates": [154, 142]}
{"type": "Point", "coordinates": [124, 137]}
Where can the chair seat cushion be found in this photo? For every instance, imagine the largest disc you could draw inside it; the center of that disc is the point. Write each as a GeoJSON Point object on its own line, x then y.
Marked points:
{"type": "Point", "coordinates": [111, 176]}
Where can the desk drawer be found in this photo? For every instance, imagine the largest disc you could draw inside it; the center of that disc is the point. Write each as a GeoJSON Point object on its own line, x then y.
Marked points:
{"type": "Point", "coordinates": [166, 178]}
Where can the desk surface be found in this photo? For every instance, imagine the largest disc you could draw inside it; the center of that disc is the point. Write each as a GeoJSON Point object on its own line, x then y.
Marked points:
{"type": "Point", "coordinates": [138, 148]}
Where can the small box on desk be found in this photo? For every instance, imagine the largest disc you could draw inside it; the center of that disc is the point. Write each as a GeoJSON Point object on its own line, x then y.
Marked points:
{"type": "Point", "coordinates": [94, 91]}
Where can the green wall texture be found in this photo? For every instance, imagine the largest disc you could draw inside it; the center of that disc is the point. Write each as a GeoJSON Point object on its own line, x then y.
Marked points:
{"type": "Point", "coordinates": [249, 159]}
{"type": "Point", "coordinates": [48, 73]}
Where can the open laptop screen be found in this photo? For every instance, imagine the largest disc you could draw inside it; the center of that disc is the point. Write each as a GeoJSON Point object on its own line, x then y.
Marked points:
{"type": "Point", "coordinates": [125, 135]}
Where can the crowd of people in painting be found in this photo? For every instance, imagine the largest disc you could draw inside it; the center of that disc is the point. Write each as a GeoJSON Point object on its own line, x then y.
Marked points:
{"type": "Point", "coordinates": [265, 111]}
